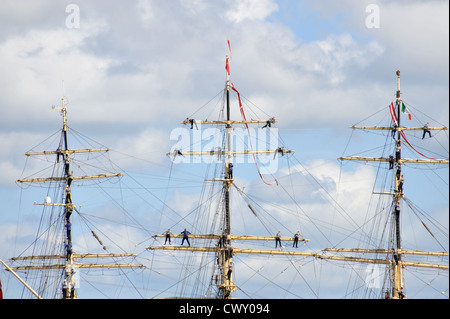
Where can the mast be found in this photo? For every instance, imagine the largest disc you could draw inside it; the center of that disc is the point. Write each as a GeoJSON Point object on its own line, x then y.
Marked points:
{"type": "Point", "coordinates": [225, 255]}
{"type": "Point", "coordinates": [68, 260]}
{"type": "Point", "coordinates": [396, 253]}
{"type": "Point", "coordinates": [69, 283]}
{"type": "Point", "coordinates": [224, 249]}
{"type": "Point", "coordinates": [397, 280]}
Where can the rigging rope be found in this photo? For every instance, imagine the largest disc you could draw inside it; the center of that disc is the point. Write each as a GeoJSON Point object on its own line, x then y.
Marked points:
{"type": "Point", "coordinates": [404, 137]}
{"type": "Point", "coordinates": [395, 120]}
{"type": "Point", "coordinates": [250, 140]}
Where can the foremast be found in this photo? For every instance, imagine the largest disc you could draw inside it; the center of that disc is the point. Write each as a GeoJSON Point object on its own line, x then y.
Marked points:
{"type": "Point", "coordinates": [224, 249]}
{"type": "Point", "coordinates": [69, 264]}
{"type": "Point", "coordinates": [396, 262]}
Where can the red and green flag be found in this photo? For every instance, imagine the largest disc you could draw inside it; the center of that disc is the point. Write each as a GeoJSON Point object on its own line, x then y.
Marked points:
{"type": "Point", "coordinates": [405, 109]}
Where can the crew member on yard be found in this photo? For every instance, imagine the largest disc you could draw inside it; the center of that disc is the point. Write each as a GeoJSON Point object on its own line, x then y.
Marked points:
{"type": "Point", "coordinates": [269, 122]}
{"type": "Point", "coordinates": [426, 129]}
{"type": "Point", "coordinates": [297, 234]}
{"type": "Point", "coordinates": [185, 234]}
{"type": "Point", "coordinates": [168, 233]}
{"type": "Point", "coordinates": [279, 150]}
{"type": "Point", "coordinates": [277, 239]}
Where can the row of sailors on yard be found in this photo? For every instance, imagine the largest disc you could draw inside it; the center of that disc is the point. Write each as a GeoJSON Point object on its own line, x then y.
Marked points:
{"type": "Point", "coordinates": [221, 242]}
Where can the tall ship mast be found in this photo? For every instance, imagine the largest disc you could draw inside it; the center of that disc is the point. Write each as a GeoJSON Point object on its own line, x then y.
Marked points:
{"type": "Point", "coordinates": [222, 242]}
{"type": "Point", "coordinates": [54, 259]}
{"type": "Point", "coordinates": [395, 256]}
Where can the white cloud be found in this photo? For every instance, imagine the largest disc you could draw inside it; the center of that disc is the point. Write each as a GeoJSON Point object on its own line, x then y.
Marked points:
{"type": "Point", "coordinates": [10, 173]}
{"type": "Point", "coordinates": [38, 62]}
{"type": "Point", "coordinates": [149, 146]}
{"type": "Point", "coordinates": [338, 54]}
{"type": "Point", "coordinates": [250, 10]}
{"type": "Point", "coordinates": [12, 158]}
{"type": "Point", "coordinates": [15, 238]}
{"type": "Point", "coordinates": [144, 8]}
{"type": "Point", "coordinates": [324, 192]}
{"type": "Point", "coordinates": [417, 35]}
{"type": "Point", "coordinates": [131, 73]}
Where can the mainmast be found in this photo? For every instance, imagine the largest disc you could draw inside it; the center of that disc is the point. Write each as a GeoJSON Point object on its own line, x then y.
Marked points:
{"type": "Point", "coordinates": [225, 256]}
{"type": "Point", "coordinates": [69, 258]}
{"type": "Point", "coordinates": [224, 249]}
{"type": "Point", "coordinates": [396, 271]}
{"type": "Point", "coordinates": [396, 262]}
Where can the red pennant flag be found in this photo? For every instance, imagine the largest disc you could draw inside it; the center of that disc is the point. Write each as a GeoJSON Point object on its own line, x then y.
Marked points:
{"type": "Point", "coordinates": [393, 115]}
{"type": "Point", "coordinates": [227, 66]}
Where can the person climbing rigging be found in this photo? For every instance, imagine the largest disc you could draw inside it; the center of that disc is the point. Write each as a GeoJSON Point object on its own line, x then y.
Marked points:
{"type": "Point", "coordinates": [230, 171]}
{"type": "Point", "coordinates": [394, 129]}
{"type": "Point", "coordinates": [68, 229]}
{"type": "Point", "coordinates": [400, 183]}
{"type": "Point", "coordinates": [185, 234]}
{"type": "Point", "coordinates": [69, 250]}
{"type": "Point", "coordinates": [230, 270]}
{"type": "Point", "coordinates": [391, 162]}
{"type": "Point", "coordinates": [397, 150]}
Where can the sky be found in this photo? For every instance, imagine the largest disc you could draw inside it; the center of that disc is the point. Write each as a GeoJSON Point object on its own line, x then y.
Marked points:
{"type": "Point", "coordinates": [131, 71]}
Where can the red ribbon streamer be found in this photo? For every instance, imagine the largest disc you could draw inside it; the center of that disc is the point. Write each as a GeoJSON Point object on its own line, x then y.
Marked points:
{"type": "Point", "coordinates": [250, 140]}
{"type": "Point", "coordinates": [395, 120]}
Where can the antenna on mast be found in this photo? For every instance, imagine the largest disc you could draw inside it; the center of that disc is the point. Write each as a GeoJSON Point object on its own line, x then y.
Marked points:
{"type": "Point", "coordinates": [63, 111]}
